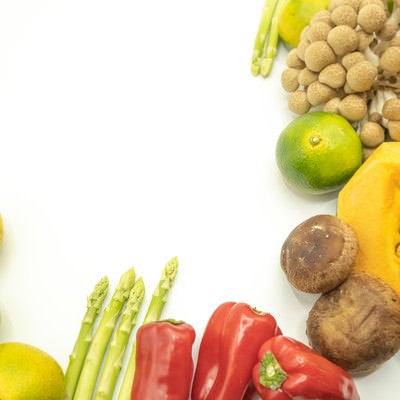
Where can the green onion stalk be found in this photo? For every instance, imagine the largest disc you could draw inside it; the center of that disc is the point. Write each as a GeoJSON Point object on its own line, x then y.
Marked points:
{"type": "Point", "coordinates": [94, 305]}
{"type": "Point", "coordinates": [153, 313]}
{"type": "Point", "coordinates": [114, 360]}
{"type": "Point", "coordinates": [94, 358]}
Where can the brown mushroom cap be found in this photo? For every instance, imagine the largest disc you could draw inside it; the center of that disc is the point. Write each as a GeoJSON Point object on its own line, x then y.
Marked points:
{"type": "Point", "coordinates": [333, 75]}
{"type": "Point", "coordinates": [298, 102]}
{"type": "Point", "coordinates": [390, 59]}
{"type": "Point", "coordinates": [332, 105]}
{"type": "Point", "coordinates": [336, 3]}
{"type": "Point", "coordinates": [394, 130]}
{"type": "Point", "coordinates": [319, 253]}
{"type": "Point", "coordinates": [344, 15]}
{"type": "Point", "coordinates": [343, 39]}
{"type": "Point", "coordinates": [356, 325]}
{"type": "Point", "coordinates": [321, 15]}
{"type": "Point", "coordinates": [372, 134]}
{"type": "Point", "coordinates": [361, 76]}
{"type": "Point", "coordinates": [306, 77]}
{"type": "Point", "coordinates": [319, 93]}
{"type": "Point", "coordinates": [318, 31]}
{"type": "Point", "coordinates": [318, 55]}
{"type": "Point", "coordinates": [292, 61]}
{"type": "Point", "coordinates": [371, 17]}
{"type": "Point", "coordinates": [353, 107]}
{"type": "Point", "coordinates": [352, 58]}
{"type": "Point", "coordinates": [391, 109]}
{"type": "Point", "coordinates": [289, 79]}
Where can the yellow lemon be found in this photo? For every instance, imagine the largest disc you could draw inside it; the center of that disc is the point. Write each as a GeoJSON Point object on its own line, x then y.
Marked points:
{"type": "Point", "coordinates": [28, 373]}
{"type": "Point", "coordinates": [318, 152]}
{"type": "Point", "coordinates": [1, 230]}
{"type": "Point", "coordinates": [295, 16]}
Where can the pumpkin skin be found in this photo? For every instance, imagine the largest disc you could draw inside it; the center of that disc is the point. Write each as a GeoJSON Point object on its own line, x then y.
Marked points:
{"type": "Point", "coordinates": [370, 204]}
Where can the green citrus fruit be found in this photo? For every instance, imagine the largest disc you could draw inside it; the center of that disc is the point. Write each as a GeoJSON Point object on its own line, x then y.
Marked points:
{"type": "Point", "coordinates": [295, 16]}
{"type": "Point", "coordinates": [318, 152]}
{"type": "Point", "coordinates": [28, 373]}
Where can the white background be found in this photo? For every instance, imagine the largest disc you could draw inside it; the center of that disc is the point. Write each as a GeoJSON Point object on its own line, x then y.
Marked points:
{"type": "Point", "coordinates": [132, 132]}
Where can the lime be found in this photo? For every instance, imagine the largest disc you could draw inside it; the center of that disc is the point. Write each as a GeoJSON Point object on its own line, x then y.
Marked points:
{"type": "Point", "coordinates": [318, 152]}
{"type": "Point", "coordinates": [28, 373]}
{"type": "Point", "coordinates": [295, 16]}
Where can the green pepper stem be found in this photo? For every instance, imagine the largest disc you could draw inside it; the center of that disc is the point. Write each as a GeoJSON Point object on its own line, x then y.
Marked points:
{"type": "Point", "coordinates": [272, 374]}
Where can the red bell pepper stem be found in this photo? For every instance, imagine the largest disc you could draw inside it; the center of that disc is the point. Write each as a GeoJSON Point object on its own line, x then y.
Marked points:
{"type": "Point", "coordinates": [164, 363]}
{"type": "Point", "coordinates": [289, 369]}
{"type": "Point", "coordinates": [243, 331]}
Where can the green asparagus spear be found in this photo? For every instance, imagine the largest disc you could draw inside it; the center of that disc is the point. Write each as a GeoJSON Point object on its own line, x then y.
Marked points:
{"type": "Point", "coordinates": [153, 313]}
{"type": "Point", "coordinates": [95, 355]}
{"type": "Point", "coordinates": [77, 357]}
{"type": "Point", "coordinates": [273, 39]}
{"type": "Point", "coordinates": [262, 34]}
{"type": "Point", "coordinates": [119, 342]}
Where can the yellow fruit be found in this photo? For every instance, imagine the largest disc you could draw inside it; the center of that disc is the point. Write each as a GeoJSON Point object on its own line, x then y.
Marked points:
{"type": "Point", "coordinates": [369, 204]}
{"type": "Point", "coordinates": [318, 152]}
{"type": "Point", "coordinates": [1, 230]}
{"type": "Point", "coordinates": [295, 16]}
{"type": "Point", "coordinates": [28, 373]}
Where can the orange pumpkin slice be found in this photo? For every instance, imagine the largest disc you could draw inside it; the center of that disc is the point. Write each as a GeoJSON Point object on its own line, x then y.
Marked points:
{"type": "Point", "coordinates": [370, 204]}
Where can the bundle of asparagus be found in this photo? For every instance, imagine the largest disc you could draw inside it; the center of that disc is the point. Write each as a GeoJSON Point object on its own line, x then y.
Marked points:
{"type": "Point", "coordinates": [101, 348]}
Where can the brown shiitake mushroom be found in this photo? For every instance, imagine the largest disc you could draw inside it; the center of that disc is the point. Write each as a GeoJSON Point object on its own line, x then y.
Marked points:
{"type": "Point", "coordinates": [319, 253]}
{"type": "Point", "coordinates": [356, 325]}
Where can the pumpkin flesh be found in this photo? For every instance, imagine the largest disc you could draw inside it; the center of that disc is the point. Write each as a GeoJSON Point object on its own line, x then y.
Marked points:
{"type": "Point", "coordinates": [370, 204]}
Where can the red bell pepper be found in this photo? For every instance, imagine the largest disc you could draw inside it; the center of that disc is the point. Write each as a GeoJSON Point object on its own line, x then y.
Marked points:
{"type": "Point", "coordinates": [228, 351]}
{"type": "Point", "coordinates": [164, 362]}
{"type": "Point", "coordinates": [288, 369]}
{"type": "Point", "coordinates": [208, 355]}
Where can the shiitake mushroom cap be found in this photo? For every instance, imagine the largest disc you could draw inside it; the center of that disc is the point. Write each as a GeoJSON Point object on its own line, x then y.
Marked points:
{"type": "Point", "coordinates": [319, 253]}
{"type": "Point", "coordinates": [356, 325]}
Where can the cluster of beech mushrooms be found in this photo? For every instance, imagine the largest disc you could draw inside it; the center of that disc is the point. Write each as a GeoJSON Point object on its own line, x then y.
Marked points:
{"type": "Point", "coordinates": [348, 62]}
